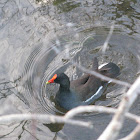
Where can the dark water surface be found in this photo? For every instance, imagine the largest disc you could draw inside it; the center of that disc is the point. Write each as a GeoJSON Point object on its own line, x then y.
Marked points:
{"type": "Point", "coordinates": [36, 40]}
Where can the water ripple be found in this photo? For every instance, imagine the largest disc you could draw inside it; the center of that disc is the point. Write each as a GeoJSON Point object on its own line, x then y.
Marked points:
{"type": "Point", "coordinates": [43, 62]}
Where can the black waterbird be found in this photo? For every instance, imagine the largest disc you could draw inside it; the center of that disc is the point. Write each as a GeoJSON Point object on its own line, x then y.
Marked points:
{"type": "Point", "coordinates": [86, 89]}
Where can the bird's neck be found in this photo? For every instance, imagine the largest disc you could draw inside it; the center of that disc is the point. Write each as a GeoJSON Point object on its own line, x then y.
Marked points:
{"type": "Point", "coordinates": [64, 87]}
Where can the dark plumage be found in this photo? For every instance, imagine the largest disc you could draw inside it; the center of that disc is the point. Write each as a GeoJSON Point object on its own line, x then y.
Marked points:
{"type": "Point", "coordinates": [84, 90]}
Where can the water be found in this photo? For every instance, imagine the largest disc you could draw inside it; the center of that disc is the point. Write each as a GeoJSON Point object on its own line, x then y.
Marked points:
{"type": "Point", "coordinates": [38, 40]}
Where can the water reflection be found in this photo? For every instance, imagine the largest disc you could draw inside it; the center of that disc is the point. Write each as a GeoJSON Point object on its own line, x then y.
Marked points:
{"type": "Point", "coordinates": [30, 36]}
{"type": "Point", "coordinates": [55, 127]}
{"type": "Point", "coordinates": [65, 6]}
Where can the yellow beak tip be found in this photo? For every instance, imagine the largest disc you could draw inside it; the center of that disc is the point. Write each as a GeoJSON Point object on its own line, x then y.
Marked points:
{"type": "Point", "coordinates": [47, 82]}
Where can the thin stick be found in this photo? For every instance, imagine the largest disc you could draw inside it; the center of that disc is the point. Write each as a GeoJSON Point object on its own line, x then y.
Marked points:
{"type": "Point", "coordinates": [99, 109]}
{"type": "Point", "coordinates": [101, 76]}
{"type": "Point", "coordinates": [113, 129]}
{"type": "Point", "coordinates": [133, 134]}
{"type": "Point", "coordinates": [46, 118]}
{"type": "Point", "coordinates": [94, 72]}
{"type": "Point", "coordinates": [108, 38]}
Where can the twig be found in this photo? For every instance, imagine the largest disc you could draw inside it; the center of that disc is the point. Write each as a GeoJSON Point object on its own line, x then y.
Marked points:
{"type": "Point", "coordinates": [99, 109]}
{"type": "Point", "coordinates": [101, 76]}
{"type": "Point", "coordinates": [94, 72]}
{"type": "Point", "coordinates": [67, 117]}
{"type": "Point", "coordinates": [113, 129]}
{"type": "Point", "coordinates": [108, 38]}
{"type": "Point", "coordinates": [46, 118]}
{"type": "Point", "coordinates": [133, 134]}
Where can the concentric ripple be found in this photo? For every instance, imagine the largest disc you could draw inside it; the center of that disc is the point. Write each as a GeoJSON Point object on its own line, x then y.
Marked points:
{"type": "Point", "coordinates": [44, 61]}
{"type": "Point", "coordinates": [39, 67]}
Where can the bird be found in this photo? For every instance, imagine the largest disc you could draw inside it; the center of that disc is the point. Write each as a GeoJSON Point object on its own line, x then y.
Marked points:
{"type": "Point", "coordinates": [84, 90]}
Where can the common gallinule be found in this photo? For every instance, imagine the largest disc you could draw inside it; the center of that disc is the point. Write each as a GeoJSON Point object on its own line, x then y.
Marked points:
{"type": "Point", "coordinates": [84, 90]}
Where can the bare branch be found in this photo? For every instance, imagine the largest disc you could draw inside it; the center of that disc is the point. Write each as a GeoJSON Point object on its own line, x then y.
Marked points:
{"type": "Point", "coordinates": [101, 76]}
{"type": "Point", "coordinates": [94, 72]}
{"type": "Point", "coordinates": [133, 134]}
{"type": "Point", "coordinates": [112, 130]}
{"type": "Point", "coordinates": [67, 117]}
{"type": "Point", "coordinates": [108, 38]}
{"type": "Point", "coordinates": [43, 118]}
{"type": "Point", "coordinates": [99, 109]}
